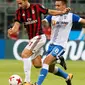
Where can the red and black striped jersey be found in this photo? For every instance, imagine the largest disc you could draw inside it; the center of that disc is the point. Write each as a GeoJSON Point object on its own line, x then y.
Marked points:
{"type": "Point", "coordinates": [31, 18]}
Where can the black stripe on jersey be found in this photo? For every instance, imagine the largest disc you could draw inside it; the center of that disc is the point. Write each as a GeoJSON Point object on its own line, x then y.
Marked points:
{"type": "Point", "coordinates": [41, 31]}
{"type": "Point", "coordinates": [31, 25]}
{"type": "Point", "coordinates": [35, 8]}
{"type": "Point", "coordinates": [43, 10]}
{"type": "Point", "coordinates": [27, 26]}
{"type": "Point", "coordinates": [21, 12]}
{"type": "Point", "coordinates": [18, 16]}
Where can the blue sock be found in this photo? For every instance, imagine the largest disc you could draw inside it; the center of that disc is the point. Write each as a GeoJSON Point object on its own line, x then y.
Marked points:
{"type": "Point", "coordinates": [43, 74]}
{"type": "Point", "coordinates": [61, 73]}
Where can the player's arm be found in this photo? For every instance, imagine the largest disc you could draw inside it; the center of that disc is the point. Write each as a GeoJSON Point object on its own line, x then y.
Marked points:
{"type": "Point", "coordinates": [78, 19]}
{"type": "Point", "coordinates": [55, 12]}
{"type": "Point", "coordinates": [14, 29]}
{"type": "Point", "coordinates": [16, 26]}
{"type": "Point", "coordinates": [52, 12]}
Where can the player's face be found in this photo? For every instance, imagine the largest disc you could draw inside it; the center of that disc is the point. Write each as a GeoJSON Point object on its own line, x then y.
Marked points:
{"type": "Point", "coordinates": [21, 3]}
{"type": "Point", "coordinates": [59, 5]}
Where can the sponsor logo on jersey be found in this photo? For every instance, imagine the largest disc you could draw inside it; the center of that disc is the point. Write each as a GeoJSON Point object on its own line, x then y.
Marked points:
{"type": "Point", "coordinates": [30, 22]}
{"type": "Point", "coordinates": [23, 14]}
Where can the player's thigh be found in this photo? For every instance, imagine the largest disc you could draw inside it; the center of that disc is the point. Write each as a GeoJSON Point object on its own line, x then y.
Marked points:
{"type": "Point", "coordinates": [26, 53]}
{"type": "Point", "coordinates": [36, 43]}
{"type": "Point", "coordinates": [40, 43]}
{"type": "Point", "coordinates": [49, 59]}
{"type": "Point", "coordinates": [29, 49]}
{"type": "Point", "coordinates": [37, 58]}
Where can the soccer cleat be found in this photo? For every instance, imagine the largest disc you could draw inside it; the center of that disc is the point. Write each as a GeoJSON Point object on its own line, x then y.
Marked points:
{"type": "Point", "coordinates": [68, 81]}
{"type": "Point", "coordinates": [62, 62]}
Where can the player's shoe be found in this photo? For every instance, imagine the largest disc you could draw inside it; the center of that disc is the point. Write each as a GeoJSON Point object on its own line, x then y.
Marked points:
{"type": "Point", "coordinates": [68, 81]}
{"type": "Point", "coordinates": [26, 83]}
{"type": "Point", "coordinates": [62, 62]}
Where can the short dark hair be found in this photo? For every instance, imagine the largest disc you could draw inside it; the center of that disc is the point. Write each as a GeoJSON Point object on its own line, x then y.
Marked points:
{"type": "Point", "coordinates": [64, 1]}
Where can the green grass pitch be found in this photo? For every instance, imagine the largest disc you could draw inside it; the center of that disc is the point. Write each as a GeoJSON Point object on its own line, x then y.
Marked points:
{"type": "Point", "coordinates": [9, 67]}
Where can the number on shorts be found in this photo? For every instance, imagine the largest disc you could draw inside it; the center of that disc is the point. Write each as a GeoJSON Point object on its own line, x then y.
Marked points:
{"type": "Point", "coordinates": [56, 50]}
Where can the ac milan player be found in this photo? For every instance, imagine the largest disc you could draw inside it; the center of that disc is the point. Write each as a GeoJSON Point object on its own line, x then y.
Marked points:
{"type": "Point", "coordinates": [30, 15]}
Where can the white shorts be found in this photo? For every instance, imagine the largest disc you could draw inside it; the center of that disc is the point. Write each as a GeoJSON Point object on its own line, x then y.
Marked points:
{"type": "Point", "coordinates": [36, 43]}
{"type": "Point", "coordinates": [39, 52]}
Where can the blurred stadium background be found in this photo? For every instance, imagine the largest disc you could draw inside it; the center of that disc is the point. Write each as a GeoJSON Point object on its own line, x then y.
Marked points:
{"type": "Point", "coordinates": [10, 49]}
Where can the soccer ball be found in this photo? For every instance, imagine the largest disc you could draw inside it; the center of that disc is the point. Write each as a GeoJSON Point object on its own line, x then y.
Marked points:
{"type": "Point", "coordinates": [15, 80]}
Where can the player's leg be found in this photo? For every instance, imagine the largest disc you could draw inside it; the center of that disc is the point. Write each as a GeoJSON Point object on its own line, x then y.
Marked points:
{"type": "Point", "coordinates": [32, 48]}
{"type": "Point", "coordinates": [62, 62]}
{"type": "Point", "coordinates": [37, 58]}
{"type": "Point", "coordinates": [37, 62]}
{"type": "Point", "coordinates": [27, 69]}
{"type": "Point", "coordinates": [59, 72]}
{"type": "Point", "coordinates": [48, 60]}
{"type": "Point", "coordinates": [45, 67]}
{"type": "Point", "coordinates": [55, 70]}
{"type": "Point", "coordinates": [26, 53]}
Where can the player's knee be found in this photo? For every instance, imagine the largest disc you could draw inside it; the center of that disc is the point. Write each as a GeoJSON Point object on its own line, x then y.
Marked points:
{"type": "Point", "coordinates": [23, 55]}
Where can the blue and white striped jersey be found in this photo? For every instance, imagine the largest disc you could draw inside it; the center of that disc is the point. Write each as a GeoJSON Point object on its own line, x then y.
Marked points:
{"type": "Point", "coordinates": [60, 31]}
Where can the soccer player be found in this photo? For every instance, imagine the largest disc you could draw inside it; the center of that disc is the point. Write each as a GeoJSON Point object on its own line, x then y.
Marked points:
{"type": "Point", "coordinates": [61, 26]}
{"type": "Point", "coordinates": [30, 15]}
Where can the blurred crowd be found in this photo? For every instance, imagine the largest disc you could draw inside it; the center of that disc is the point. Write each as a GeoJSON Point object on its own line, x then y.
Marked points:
{"type": "Point", "coordinates": [7, 15]}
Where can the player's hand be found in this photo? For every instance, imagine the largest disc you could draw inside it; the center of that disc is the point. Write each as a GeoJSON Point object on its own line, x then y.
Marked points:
{"type": "Point", "coordinates": [53, 22]}
{"type": "Point", "coordinates": [66, 10]}
{"type": "Point", "coordinates": [12, 35]}
{"type": "Point", "coordinates": [10, 32]}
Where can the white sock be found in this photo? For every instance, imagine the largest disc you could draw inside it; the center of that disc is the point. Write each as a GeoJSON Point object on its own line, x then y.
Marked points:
{"type": "Point", "coordinates": [27, 68]}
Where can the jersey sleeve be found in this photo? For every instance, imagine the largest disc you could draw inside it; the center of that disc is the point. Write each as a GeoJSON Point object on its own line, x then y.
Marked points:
{"type": "Point", "coordinates": [42, 9]}
{"type": "Point", "coordinates": [18, 16]}
{"type": "Point", "coordinates": [76, 18]}
{"type": "Point", "coordinates": [48, 18]}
